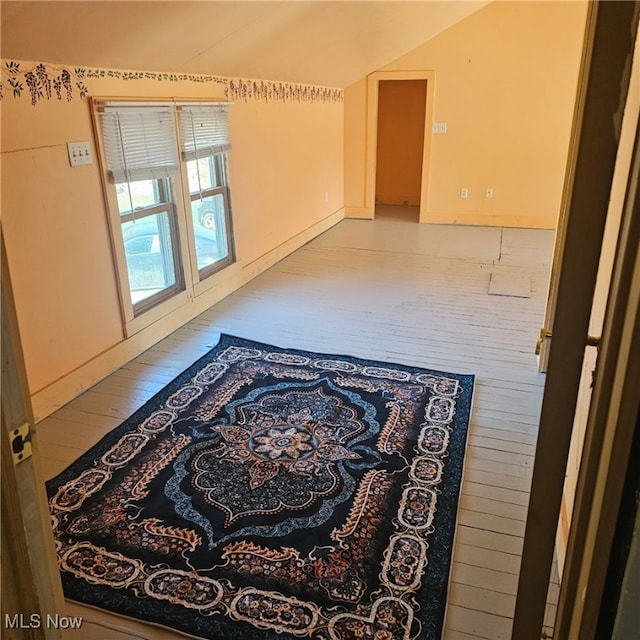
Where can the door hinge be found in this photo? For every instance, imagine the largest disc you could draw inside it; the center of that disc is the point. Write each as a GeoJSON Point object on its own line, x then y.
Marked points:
{"type": "Point", "coordinates": [592, 341]}
{"type": "Point", "coordinates": [544, 334]}
{"type": "Point", "coordinates": [20, 439]}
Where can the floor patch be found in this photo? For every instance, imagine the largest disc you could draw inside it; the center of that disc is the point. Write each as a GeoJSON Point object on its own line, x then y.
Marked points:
{"type": "Point", "coordinates": [514, 285]}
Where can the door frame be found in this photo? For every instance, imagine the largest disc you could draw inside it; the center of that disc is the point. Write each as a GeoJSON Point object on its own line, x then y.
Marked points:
{"type": "Point", "coordinates": [602, 92]}
{"type": "Point", "coordinates": [373, 81]}
{"type": "Point", "coordinates": [612, 421]}
{"type": "Point", "coordinates": [30, 578]}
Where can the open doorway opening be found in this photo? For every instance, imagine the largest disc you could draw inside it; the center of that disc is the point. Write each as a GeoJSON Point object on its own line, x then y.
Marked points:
{"type": "Point", "coordinates": [400, 148]}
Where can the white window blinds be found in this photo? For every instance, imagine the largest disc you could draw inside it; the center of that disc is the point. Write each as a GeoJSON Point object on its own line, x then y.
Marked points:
{"type": "Point", "coordinates": [139, 143]}
{"type": "Point", "coordinates": [204, 130]}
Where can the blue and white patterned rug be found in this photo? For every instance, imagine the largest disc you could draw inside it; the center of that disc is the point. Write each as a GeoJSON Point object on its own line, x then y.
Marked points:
{"type": "Point", "coordinates": [272, 493]}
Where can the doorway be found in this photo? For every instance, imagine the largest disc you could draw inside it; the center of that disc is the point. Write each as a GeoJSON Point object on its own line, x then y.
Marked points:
{"type": "Point", "coordinates": [393, 98]}
{"type": "Point", "coordinates": [400, 147]}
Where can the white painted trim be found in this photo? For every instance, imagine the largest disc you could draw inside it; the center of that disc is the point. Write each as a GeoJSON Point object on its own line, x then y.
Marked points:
{"type": "Point", "coordinates": [52, 397]}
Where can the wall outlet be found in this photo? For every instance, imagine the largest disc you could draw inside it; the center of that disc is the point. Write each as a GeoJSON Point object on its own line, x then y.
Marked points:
{"type": "Point", "coordinates": [488, 192]}
{"type": "Point", "coordinates": [439, 127]}
{"type": "Point", "coordinates": [79, 153]}
{"type": "Point", "coordinates": [464, 192]}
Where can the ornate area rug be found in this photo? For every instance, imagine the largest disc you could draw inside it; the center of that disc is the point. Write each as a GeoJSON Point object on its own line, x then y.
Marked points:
{"type": "Point", "coordinates": [273, 494]}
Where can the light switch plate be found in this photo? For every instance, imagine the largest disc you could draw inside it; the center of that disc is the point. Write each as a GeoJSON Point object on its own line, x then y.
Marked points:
{"type": "Point", "coordinates": [79, 153]}
{"type": "Point", "coordinates": [439, 127]}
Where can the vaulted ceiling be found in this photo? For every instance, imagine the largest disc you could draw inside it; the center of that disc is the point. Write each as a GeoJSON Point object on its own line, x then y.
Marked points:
{"type": "Point", "coordinates": [332, 43]}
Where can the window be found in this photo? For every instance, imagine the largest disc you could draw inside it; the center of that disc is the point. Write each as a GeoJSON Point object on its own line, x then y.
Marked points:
{"type": "Point", "coordinates": [205, 141]}
{"type": "Point", "coordinates": [168, 193]}
{"type": "Point", "coordinates": [150, 244]}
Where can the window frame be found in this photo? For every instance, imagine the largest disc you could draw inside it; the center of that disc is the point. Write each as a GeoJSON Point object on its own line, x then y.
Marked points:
{"type": "Point", "coordinates": [138, 215]}
{"type": "Point", "coordinates": [223, 189]}
{"type": "Point", "coordinates": [190, 281]}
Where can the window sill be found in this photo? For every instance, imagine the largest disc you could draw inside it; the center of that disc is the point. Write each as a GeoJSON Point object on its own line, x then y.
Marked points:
{"type": "Point", "coordinates": [155, 314]}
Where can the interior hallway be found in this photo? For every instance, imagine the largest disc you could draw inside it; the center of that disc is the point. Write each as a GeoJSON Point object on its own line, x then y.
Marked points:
{"type": "Point", "coordinates": [392, 290]}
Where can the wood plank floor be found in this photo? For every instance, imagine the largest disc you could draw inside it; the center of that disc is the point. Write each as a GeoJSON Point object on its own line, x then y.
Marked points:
{"type": "Point", "coordinates": [392, 290]}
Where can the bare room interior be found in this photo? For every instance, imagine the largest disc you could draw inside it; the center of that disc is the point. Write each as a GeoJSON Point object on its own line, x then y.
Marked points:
{"type": "Point", "coordinates": [400, 183]}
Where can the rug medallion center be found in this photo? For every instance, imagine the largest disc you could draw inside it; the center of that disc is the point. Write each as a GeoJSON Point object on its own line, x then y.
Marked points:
{"type": "Point", "coordinates": [283, 443]}
{"type": "Point", "coordinates": [281, 460]}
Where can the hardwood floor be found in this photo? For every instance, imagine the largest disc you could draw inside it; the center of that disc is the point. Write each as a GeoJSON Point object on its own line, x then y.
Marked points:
{"type": "Point", "coordinates": [387, 289]}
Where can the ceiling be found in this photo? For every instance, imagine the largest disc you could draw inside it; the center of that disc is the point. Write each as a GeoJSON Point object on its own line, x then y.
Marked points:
{"type": "Point", "coordinates": [329, 43]}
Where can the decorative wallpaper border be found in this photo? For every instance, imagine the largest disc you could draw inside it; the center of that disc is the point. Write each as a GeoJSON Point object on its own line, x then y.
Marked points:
{"type": "Point", "coordinates": [269, 91]}
{"type": "Point", "coordinates": [41, 82]}
{"type": "Point", "coordinates": [44, 81]}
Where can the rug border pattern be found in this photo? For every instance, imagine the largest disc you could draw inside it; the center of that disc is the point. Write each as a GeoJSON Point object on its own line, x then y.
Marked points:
{"type": "Point", "coordinates": [414, 528]}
